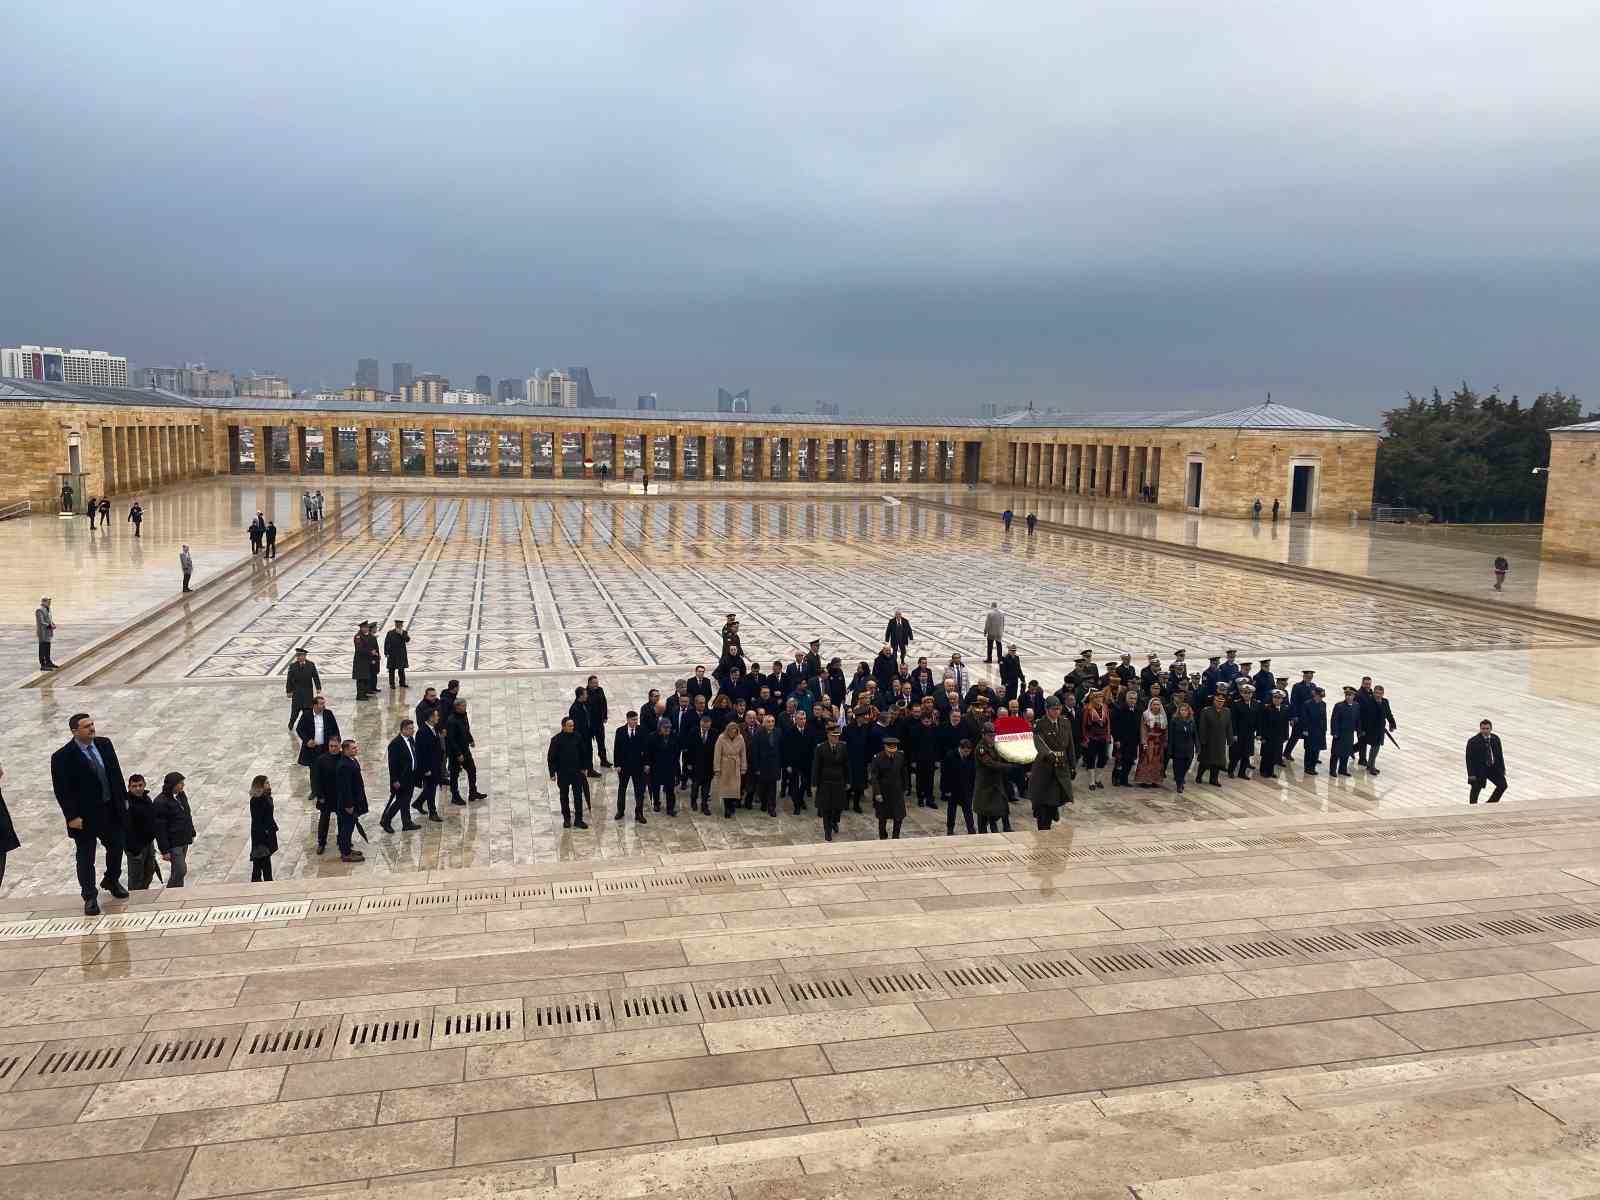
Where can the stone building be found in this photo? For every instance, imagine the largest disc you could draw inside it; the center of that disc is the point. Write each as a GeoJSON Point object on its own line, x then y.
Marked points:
{"type": "Point", "coordinates": [1572, 494]}
{"type": "Point", "coordinates": [116, 440]}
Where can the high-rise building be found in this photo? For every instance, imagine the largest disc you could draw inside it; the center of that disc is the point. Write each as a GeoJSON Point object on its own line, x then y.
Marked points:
{"type": "Point", "coordinates": [650, 401]}
{"type": "Point", "coordinates": [403, 375]}
{"type": "Point", "coordinates": [738, 402]}
{"type": "Point", "coordinates": [365, 395]}
{"type": "Point", "coordinates": [580, 380]}
{"type": "Point", "coordinates": [266, 387]}
{"type": "Point", "coordinates": [485, 385]}
{"type": "Point", "coordinates": [367, 373]}
{"type": "Point", "coordinates": [827, 408]}
{"type": "Point", "coordinates": [511, 391]}
{"type": "Point", "coordinates": [554, 389]}
{"type": "Point", "coordinates": [426, 388]}
{"type": "Point", "coordinates": [600, 402]}
{"type": "Point", "coordinates": [162, 379]}
{"type": "Point", "coordinates": [465, 398]}
{"type": "Point", "coordinates": [52, 364]}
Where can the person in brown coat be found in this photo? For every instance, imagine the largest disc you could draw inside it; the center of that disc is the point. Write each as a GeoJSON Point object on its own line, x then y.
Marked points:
{"type": "Point", "coordinates": [729, 762]}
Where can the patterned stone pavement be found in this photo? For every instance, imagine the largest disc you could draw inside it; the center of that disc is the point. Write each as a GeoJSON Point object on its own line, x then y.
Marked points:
{"type": "Point", "coordinates": [522, 596]}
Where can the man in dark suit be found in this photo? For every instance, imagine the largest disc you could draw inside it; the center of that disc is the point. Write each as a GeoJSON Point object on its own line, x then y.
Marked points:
{"type": "Point", "coordinates": [628, 753]}
{"type": "Point", "coordinates": [404, 763]}
{"type": "Point", "coordinates": [430, 764]}
{"type": "Point", "coordinates": [90, 788]}
{"type": "Point", "coordinates": [394, 652]}
{"type": "Point", "coordinates": [316, 725]}
{"type": "Point", "coordinates": [325, 783]}
{"type": "Point", "coordinates": [599, 713]}
{"type": "Point", "coordinates": [1486, 762]}
{"type": "Point", "coordinates": [458, 743]}
{"type": "Point", "coordinates": [700, 685]}
{"type": "Point", "coordinates": [579, 712]}
{"type": "Point", "coordinates": [898, 634]}
{"type": "Point", "coordinates": [351, 801]}
{"type": "Point", "coordinates": [300, 683]}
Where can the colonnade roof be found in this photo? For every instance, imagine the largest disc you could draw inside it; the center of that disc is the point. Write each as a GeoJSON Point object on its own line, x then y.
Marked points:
{"type": "Point", "coordinates": [1261, 416]}
{"type": "Point", "coordinates": [1580, 427]}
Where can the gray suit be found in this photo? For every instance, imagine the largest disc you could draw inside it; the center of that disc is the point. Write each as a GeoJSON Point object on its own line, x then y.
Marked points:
{"type": "Point", "coordinates": [44, 625]}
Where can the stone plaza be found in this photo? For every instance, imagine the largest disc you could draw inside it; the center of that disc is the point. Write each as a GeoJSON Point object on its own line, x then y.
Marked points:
{"type": "Point", "coordinates": [1293, 986]}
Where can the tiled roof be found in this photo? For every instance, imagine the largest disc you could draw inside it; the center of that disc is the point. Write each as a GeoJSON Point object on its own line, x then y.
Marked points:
{"type": "Point", "coordinates": [1580, 427]}
{"type": "Point", "coordinates": [1261, 416]}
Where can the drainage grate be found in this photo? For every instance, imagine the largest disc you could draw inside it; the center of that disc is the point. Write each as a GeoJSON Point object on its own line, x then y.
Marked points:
{"type": "Point", "coordinates": [384, 903]}
{"type": "Point", "coordinates": [1114, 851]}
{"type": "Point", "coordinates": [433, 900]}
{"type": "Point", "coordinates": [363, 1035]}
{"type": "Point", "coordinates": [185, 1054]}
{"type": "Point", "coordinates": [1511, 927]}
{"type": "Point", "coordinates": [1449, 933]}
{"type": "Point", "coordinates": [823, 992]}
{"type": "Point", "coordinates": [180, 918]}
{"type": "Point", "coordinates": [883, 867]}
{"type": "Point", "coordinates": [731, 999]}
{"type": "Point", "coordinates": [899, 985]}
{"type": "Point", "coordinates": [574, 889]}
{"type": "Point", "coordinates": [20, 929]}
{"type": "Point", "coordinates": [756, 875]}
{"type": "Point", "coordinates": [65, 926]}
{"type": "Point", "coordinates": [234, 914]}
{"type": "Point", "coordinates": [653, 1007]}
{"type": "Point", "coordinates": [92, 1060]}
{"type": "Point", "coordinates": [476, 1024]}
{"type": "Point", "coordinates": [285, 910]}
{"type": "Point", "coordinates": [1112, 964]}
{"type": "Point", "coordinates": [11, 1065]}
{"type": "Point", "coordinates": [795, 872]}
{"type": "Point", "coordinates": [1079, 855]}
{"type": "Point", "coordinates": [557, 1016]}
{"type": "Point", "coordinates": [1569, 920]}
{"type": "Point", "coordinates": [701, 879]}
{"type": "Point", "coordinates": [628, 883]}
{"type": "Point", "coordinates": [1265, 949]}
{"type": "Point", "coordinates": [1191, 956]}
{"type": "Point", "coordinates": [1042, 973]}
{"type": "Point", "coordinates": [974, 978]}
{"type": "Point", "coordinates": [481, 896]}
{"type": "Point", "coordinates": [529, 891]}
{"type": "Point", "coordinates": [1183, 847]}
{"type": "Point", "coordinates": [124, 923]}
{"type": "Point", "coordinates": [278, 1043]}
{"type": "Point", "coordinates": [343, 906]}
{"type": "Point", "coordinates": [1325, 943]}
{"type": "Point", "coordinates": [836, 869]}
{"type": "Point", "coordinates": [662, 882]}
{"type": "Point", "coordinates": [1389, 937]}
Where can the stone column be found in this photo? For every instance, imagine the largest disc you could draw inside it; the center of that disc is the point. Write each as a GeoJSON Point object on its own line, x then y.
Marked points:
{"type": "Point", "coordinates": [680, 454]}
{"type": "Point", "coordinates": [429, 463]}
{"type": "Point", "coordinates": [363, 449]}
{"type": "Point", "coordinates": [494, 453]}
{"type": "Point", "coordinates": [760, 452]}
{"type": "Point", "coordinates": [556, 469]}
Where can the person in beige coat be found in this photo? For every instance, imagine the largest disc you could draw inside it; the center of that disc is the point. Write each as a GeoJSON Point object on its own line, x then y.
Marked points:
{"type": "Point", "coordinates": [728, 764]}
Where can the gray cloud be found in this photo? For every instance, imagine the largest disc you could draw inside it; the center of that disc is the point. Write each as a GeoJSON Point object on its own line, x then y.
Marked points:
{"type": "Point", "coordinates": [1080, 204]}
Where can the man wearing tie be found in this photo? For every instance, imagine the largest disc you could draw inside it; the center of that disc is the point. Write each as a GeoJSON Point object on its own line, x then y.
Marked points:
{"type": "Point", "coordinates": [402, 778]}
{"type": "Point", "coordinates": [1486, 762]}
{"type": "Point", "coordinates": [627, 754]}
{"type": "Point", "coordinates": [89, 787]}
{"type": "Point", "coordinates": [430, 763]}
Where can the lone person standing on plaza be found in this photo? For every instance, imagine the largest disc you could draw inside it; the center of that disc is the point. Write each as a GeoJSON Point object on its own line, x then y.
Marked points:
{"type": "Point", "coordinates": [136, 515]}
{"type": "Point", "coordinates": [899, 634]}
{"type": "Point", "coordinates": [186, 564]}
{"type": "Point", "coordinates": [994, 628]}
{"type": "Point", "coordinates": [45, 626]}
{"type": "Point", "coordinates": [1501, 566]}
{"type": "Point", "coordinates": [1486, 763]}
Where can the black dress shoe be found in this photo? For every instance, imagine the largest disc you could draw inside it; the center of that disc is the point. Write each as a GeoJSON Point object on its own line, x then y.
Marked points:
{"type": "Point", "coordinates": [435, 817]}
{"type": "Point", "coordinates": [385, 828]}
{"type": "Point", "coordinates": [638, 819]}
{"type": "Point", "coordinates": [405, 827]}
{"type": "Point", "coordinates": [115, 888]}
{"type": "Point", "coordinates": [91, 907]}
{"type": "Point", "coordinates": [580, 825]}
{"type": "Point", "coordinates": [477, 795]}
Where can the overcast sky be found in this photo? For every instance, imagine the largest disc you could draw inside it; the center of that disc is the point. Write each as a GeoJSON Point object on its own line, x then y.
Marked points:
{"type": "Point", "coordinates": [1086, 205]}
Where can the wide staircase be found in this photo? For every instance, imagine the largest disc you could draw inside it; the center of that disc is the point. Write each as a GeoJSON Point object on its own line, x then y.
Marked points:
{"type": "Point", "coordinates": [1325, 1004]}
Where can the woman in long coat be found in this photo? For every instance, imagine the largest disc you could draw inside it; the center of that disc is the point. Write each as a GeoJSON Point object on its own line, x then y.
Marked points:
{"type": "Point", "coordinates": [830, 780]}
{"type": "Point", "coordinates": [1182, 738]}
{"type": "Point", "coordinates": [989, 788]}
{"type": "Point", "coordinates": [263, 830]}
{"type": "Point", "coordinates": [1152, 745]}
{"type": "Point", "coordinates": [729, 761]}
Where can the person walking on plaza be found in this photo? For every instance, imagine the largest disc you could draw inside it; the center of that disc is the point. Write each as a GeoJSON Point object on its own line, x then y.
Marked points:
{"type": "Point", "coordinates": [599, 713]}
{"type": "Point", "coordinates": [830, 779]}
{"type": "Point", "coordinates": [1033, 520]}
{"type": "Point", "coordinates": [91, 510]}
{"type": "Point", "coordinates": [8, 832]}
{"type": "Point", "coordinates": [174, 827]}
{"type": "Point", "coordinates": [136, 515]}
{"type": "Point", "coordinates": [1273, 724]}
{"type": "Point", "coordinates": [729, 762]}
{"type": "Point", "coordinates": [1501, 566]}
{"type": "Point", "coordinates": [1344, 723]}
{"type": "Point", "coordinates": [139, 836]}
{"type": "Point", "coordinates": [1377, 722]}
{"type": "Point", "coordinates": [269, 540]}
{"type": "Point", "coordinates": [351, 801]}
{"type": "Point", "coordinates": [1298, 695]}
{"type": "Point", "coordinates": [403, 769]}
{"type": "Point", "coordinates": [566, 761]}
{"type": "Point", "coordinates": [899, 634]}
{"type": "Point", "coordinates": [1486, 763]}
{"type": "Point", "coordinates": [458, 742]}
{"type": "Point", "coordinates": [1054, 765]}
{"type": "Point", "coordinates": [994, 629]}
{"type": "Point", "coordinates": [1182, 742]}
{"type": "Point", "coordinates": [263, 830]}
{"type": "Point", "coordinates": [1096, 724]}
{"type": "Point", "coordinates": [316, 725]}
{"type": "Point", "coordinates": [325, 783]}
{"type": "Point", "coordinates": [989, 783]}
{"type": "Point", "coordinates": [88, 783]}
{"type": "Point", "coordinates": [662, 760]}
{"type": "Point", "coordinates": [1152, 766]}
{"type": "Point", "coordinates": [1006, 519]}
{"type": "Point", "coordinates": [956, 777]}
{"type": "Point", "coordinates": [1213, 735]}
{"type": "Point", "coordinates": [628, 753]}
{"type": "Point", "coordinates": [44, 625]}
{"type": "Point", "coordinates": [364, 661]}
{"type": "Point", "coordinates": [395, 654]}
{"type": "Point", "coordinates": [887, 776]}
{"type": "Point", "coordinates": [1313, 728]}
{"type": "Point", "coordinates": [430, 764]}
{"type": "Point", "coordinates": [256, 529]}
{"type": "Point", "coordinates": [105, 515]}
{"type": "Point", "coordinates": [1243, 716]}
{"type": "Point", "coordinates": [185, 564]}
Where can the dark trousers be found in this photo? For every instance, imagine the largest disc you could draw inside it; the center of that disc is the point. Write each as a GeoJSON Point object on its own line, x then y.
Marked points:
{"type": "Point", "coordinates": [1045, 815]}
{"type": "Point", "coordinates": [272, 548]}
{"type": "Point", "coordinates": [142, 868]}
{"type": "Point", "coordinates": [186, 581]}
{"type": "Point", "coordinates": [324, 815]}
{"type": "Point", "coordinates": [84, 842]}
{"type": "Point", "coordinates": [393, 671]}
{"type": "Point", "coordinates": [1294, 740]}
{"type": "Point", "coordinates": [636, 777]}
{"type": "Point", "coordinates": [700, 790]}
{"type": "Point", "coordinates": [951, 807]}
{"type": "Point", "coordinates": [347, 829]}
{"type": "Point", "coordinates": [44, 654]}
{"type": "Point", "coordinates": [883, 827]}
{"type": "Point", "coordinates": [900, 651]}
{"type": "Point", "coordinates": [657, 786]}
{"type": "Point", "coordinates": [1238, 760]}
{"type": "Point", "coordinates": [924, 774]}
{"type": "Point", "coordinates": [1498, 779]}
{"type": "Point", "coordinates": [992, 647]}
{"type": "Point", "coordinates": [1372, 752]}
{"type": "Point", "coordinates": [1313, 756]}
{"type": "Point", "coordinates": [428, 796]}
{"type": "Point", "coordinates": [988, 824]}
{"type": "Point", "coordinates": [399, 806]}
{"type": "Point", "coordinates": [598, 733]}
{"type": "Point", "coordinates": [261, 869]}
{"type": "Point", "coordinates": [1339, 763]}
{"type": "Point", "coordinates": [1180, 771]}
{"type": "Point", "coordinates": [578, 788]}
{"type": "Point", "coordinates": [458, 763]}
{"type": "Point", "coordinates": [767, 795]}
{"type": "Point", "coordinates": [798, 789]}
{"type": "Point", "coordinates": [1124, 762]}
{"type": "Point", "coordinates": [136, 526]}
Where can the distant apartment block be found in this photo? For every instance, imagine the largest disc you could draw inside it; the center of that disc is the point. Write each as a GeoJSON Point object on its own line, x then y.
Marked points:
{"type": "Point", "coordinates": [649, 402]}
{"type": "Point", "coordinates": [552, 389]}
{"type": "Point", "coordinates": [52, 364]}
{"type": "Point", "coordinates": [367, 373]}
{"type": "Point", "coordinates": [466, 398]}
{"type": "Point", "coordinates": [404, 373]}
{"type": "Point", "coordinates": [511, 391]}
{"type": "Point", "coordinates": [426, 388]}
{"type": "Point", "coordinates": [365, 395]}
{"type": "Point", "coordinates": [266, 387]}
{"type": "Point", "coordinates": [191, 379]}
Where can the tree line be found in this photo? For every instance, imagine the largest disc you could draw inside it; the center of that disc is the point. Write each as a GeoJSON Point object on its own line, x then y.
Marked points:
{"type": "Point", "coordinates": [1468, 457]}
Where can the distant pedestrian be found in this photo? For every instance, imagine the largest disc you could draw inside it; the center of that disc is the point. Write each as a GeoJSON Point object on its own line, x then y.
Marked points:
{"type": "Point", "coordinates": [270, 539]}
{"type": "Point", "coordinates": [8, 832]}
{"type": "Point", "coordinates": [1486, 763]}
{"type": "Point", "coordinates": [1033, 520]}
{"type": "Point", "coordinates": [1255, 509]}
{"type": "Point", "coordinates": [1006, 519]}
{"type": "Point", "coordinates": [317, 501]}
{"type": "Point", "coordinates": [91, 510]}
{"type": "Point", "coordinates": [1275, 510]}
{"type": "Point", "coordinates": [263, 830]}
{"type": "Point", "coordinates": [45, 626]}
{"type": "Point", "coordinates": [186, 565]}
{"type": "Point", "coordinates": [1501, 566]}
{"type": "Point", "coordinates": [257, 529]}
{"type": "Point", "coordinates": [994, 628]}
{"type": "Point", "coordinates": [105, 515]}
{"type": "Point", "coordinates": [174, 827]}
{"type": "Point", "coordinates": [136, 515]}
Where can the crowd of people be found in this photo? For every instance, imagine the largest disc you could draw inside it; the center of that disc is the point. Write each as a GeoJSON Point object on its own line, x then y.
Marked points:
{"type": "Point", "coordinates": [747, 738]}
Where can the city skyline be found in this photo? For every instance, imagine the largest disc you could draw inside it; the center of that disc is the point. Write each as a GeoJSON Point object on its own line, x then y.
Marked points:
{"type": "Point", "coordinates": [1012, 202]}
